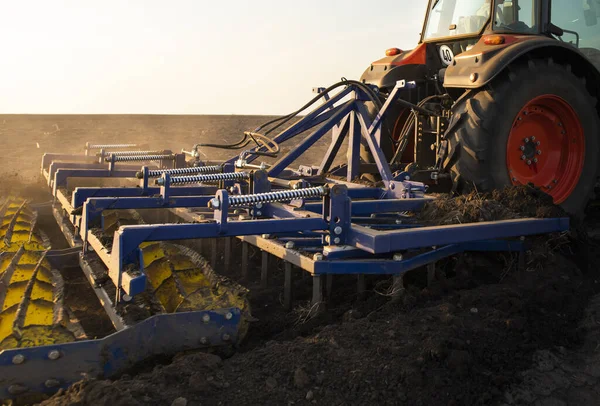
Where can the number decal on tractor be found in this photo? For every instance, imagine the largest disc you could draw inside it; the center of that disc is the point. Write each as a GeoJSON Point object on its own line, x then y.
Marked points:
{"type": "Point", "coordinates": [446, 54]}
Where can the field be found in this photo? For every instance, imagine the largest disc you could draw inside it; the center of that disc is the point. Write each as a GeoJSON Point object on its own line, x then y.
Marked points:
{"type": "Point", "coordinates": [483, 333]}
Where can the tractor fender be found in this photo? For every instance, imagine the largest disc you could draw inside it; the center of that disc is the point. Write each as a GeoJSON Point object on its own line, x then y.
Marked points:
{"type": "Point", "coordinates": [481, 64]}
{"type": "Point", "coordinates": [413, 65]}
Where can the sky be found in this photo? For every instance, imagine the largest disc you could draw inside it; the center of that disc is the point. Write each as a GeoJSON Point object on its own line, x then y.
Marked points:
{"type": "Point", "coordinates": [190, 56]}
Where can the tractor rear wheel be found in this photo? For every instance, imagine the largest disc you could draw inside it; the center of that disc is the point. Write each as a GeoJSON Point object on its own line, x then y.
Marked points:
{"type": "Point", "coordinates": [536, 125]}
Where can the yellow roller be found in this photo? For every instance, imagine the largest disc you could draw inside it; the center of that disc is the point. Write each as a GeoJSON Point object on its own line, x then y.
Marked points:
{"type": "Point", "coordinates": [181, 280]}
{"type": "Point", "coordinates": [31, 308]}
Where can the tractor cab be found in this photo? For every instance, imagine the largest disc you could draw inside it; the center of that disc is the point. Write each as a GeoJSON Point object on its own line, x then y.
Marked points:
{"type": "Point", "coordinates": [512, 85]}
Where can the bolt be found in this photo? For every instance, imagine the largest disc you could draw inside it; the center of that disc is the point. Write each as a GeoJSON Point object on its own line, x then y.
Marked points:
{"type": "Point", "coordinates": [297, 186]}
{"type": "Point", "coordinates": [514, 179]}
{"type": "Point", "coordinates": [206, 318]}
{"type": "Point", "coordinates": [373, 215]}
{"type": "Point", "coordinates": [237, 211]}
{"type": "Point", "coordinates": [528, 162]}
{"type": "Point", "coordinates": [539, 152]}
{"type": "Point", "coordinates": [214, 203]}
{"type": "Point", "coordinates": [231, 190]}
{"type": "Point", "coordinates": [54, 355]}
{"type": "Point", "coordinates": [538, 143]}
{"type": "Point", "coordinates": [526, 140]}
{"type": "Point", "coordinates": [555, 181]}
{"type": "Point", "coordinates": [398, 257]}
{"type": "Point", "coordinates": [336, 240]}
{"type": "Point", "coordinates": [52, 383]}
{"type": "Point", "coordinates": [522, 238]}
{"type": "Point", "coordinates": [16, 389]}
{"type": "Point", "coordinates": [203, 340]}
{"type": "Point", "coordinates": [318, 257]}
{"type": "Point", "coordinates": [532, 138]}
{"type": "Point", "coordinates": [520, 118]}
{"type": "Point", "coordinates": [259, 205]}
{"type": "Point", "coordinates": [338, 230]}
{"type": "Point", "coordinates": [563, 132]}
{"type": "Point", "coordinates": [523, 157]}
{"type": "Point", "coordinates": [126, 297]}
{"type": "Point", "coordinates": [228, 316]}
{"type": "Point", "coordinates": [560, 124]}
{"type": "Point", "coordinates": [549, 187]}
{"type": "Point", "coordinates": [18, 359]}
{"type": "Point", "coordinates": [535, 160]}
{"type": "Point", "coordinates": [289, 245]}
{"type": "Point", "coordinates": [266, 236]}
{"type": "Point", "coordinates": [522, 148]}
{"type": "Point", "coordinates": [258, 213]}
{"type": "Point", "coordinates": [226, 337]}
{"type": "Point", "coordinates": [398, 221]}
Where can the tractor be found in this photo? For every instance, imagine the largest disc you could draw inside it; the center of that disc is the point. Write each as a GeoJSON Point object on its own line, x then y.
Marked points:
{"type": "Point", "coordinates": [515, 87]}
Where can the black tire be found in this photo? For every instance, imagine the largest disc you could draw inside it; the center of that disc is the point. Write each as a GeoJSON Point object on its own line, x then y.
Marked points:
{"type": "Point", "coordinates": [482, 120]}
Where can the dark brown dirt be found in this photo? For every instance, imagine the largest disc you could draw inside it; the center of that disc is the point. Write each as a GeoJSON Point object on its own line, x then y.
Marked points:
{"type": "Point", "coordinates": [464, 340]}
{"type": "Point", "coordinates": [467, 339]}
{"type": "Point", "coordinates": [511, 203]}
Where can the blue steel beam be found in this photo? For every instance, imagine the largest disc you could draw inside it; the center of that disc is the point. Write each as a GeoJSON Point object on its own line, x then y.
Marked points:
{"type": "Point", "coordinates": [337, 114]}
{"type": "Point", "coordinates": [81, 194]}
{"type": "Point", "coordinates": [104, 358]}
{"type": "Point", "coordinates": [128, 238]}
{"type": "Point", "coordinates": [378, 242]}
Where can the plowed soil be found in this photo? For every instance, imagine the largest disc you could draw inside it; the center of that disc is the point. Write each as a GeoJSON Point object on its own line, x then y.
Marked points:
{"type": "Point", "coordinates": [484, 332]}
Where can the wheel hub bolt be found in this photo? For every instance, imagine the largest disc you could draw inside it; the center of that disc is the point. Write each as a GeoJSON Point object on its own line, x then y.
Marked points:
{"type": "Point", "coordinates": [526, 140]}
{"type": "Point", "coordinates": [523, 157]}
{"type": "Point", "coordinates": [539, 152]}
{"type": "Point", "coordinates": [528, 162]}
{"type": "Point", "coordinates": [522, 148]}
{"type": "Point", "coordinates": [535, 160]}
{"type": "Point", "coordinates": [532, 138]}
{"type": "Point", "coordinates": [538, 143]}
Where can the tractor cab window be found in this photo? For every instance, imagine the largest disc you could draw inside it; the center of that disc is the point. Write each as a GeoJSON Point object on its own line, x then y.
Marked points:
{"type": "Point", "coordinates": [518, 16]}
{"type": "Point", "coordinates": [577, 24]}
{"type": "Point", "coordinates": [449, 18]}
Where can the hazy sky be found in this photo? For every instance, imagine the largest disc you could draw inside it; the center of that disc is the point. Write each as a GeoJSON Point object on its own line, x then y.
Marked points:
{"type": "Point", "coordinates": [190, 56]}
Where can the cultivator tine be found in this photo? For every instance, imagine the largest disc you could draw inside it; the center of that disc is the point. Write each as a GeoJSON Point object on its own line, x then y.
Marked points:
{"type": "Point", "coordinates": [213, 252]}
{"type": "Point", "coordinates": [264, 269]}
{"type": "Point", "coordinates": [328, 286]}
{"type": "Point", "coordinates": [430, 273]}
{"type": "Point", "coordinates": [361, 286]}
{"type": "Point", "coordinates": [288, 286]}
{"type": "Point", "coordinates": [227, 254]}
{"type": "Point", "coordinates": [397, 285]}
{"type": "Point", "coordinates": [245, 254]}
{"type": "Point", "coordinates": [317, 301]}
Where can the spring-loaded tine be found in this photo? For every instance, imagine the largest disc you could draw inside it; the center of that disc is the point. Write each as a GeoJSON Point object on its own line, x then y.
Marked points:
{"type": "Point", "coordinates": [182, 171]}
{"type": "Point", "coordinates": [133, 158]}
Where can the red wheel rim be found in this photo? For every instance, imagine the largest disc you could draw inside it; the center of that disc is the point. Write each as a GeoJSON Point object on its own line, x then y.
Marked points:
{"type": "Point", "coordinates": [546, 147]}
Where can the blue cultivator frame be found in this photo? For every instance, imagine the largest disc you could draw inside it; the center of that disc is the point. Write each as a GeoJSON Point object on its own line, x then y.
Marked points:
{"type": "Point", "coordinates": [317, 218]}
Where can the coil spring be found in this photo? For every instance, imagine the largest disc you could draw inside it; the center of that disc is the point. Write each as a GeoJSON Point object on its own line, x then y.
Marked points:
{"type": "Point", "coordinates": [107, 146]}
{"type": "Point", "coordinates": [211, 177]}
{"type": "Point", "coordinates": [133, 153]}
{"type": "Point", "coordinates": [132, 158]}
{"type": "Point", "coordinates": [181, 171]}
{"type": "Point", "coordinates": [278, 196]}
